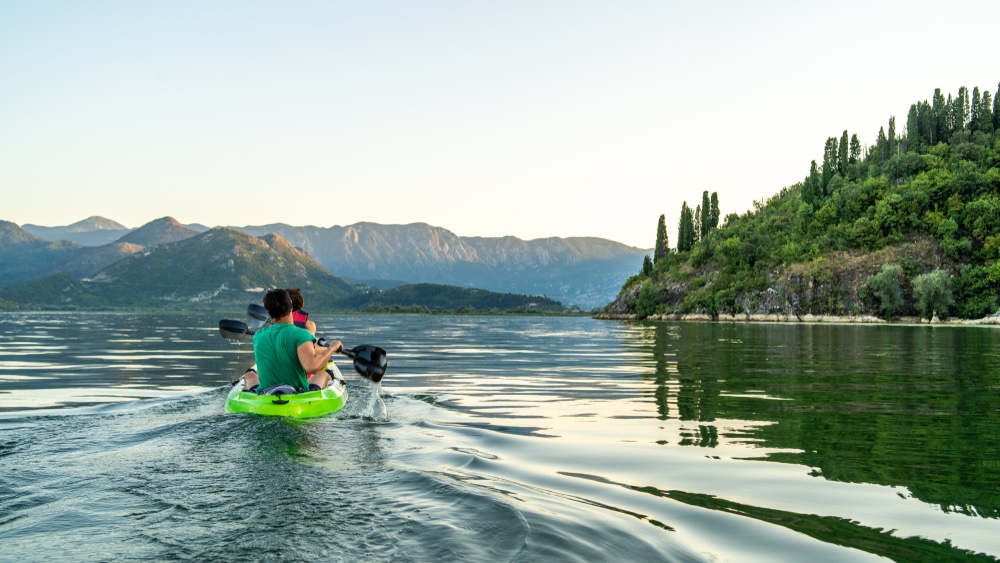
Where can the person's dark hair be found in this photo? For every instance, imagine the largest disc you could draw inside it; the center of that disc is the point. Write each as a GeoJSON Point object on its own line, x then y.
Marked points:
{"type": "Point", "coordinates": [278, 303]}
{"type": "Point", "coordinates": [298, 301]}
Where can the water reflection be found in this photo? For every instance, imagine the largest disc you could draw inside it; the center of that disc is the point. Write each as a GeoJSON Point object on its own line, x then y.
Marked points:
{"type": "Point", "coordinates": [915, 407]}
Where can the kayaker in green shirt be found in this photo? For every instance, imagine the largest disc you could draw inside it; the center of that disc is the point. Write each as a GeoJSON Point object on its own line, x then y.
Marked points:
{"type": "Point", "coordinates": [285, 353]}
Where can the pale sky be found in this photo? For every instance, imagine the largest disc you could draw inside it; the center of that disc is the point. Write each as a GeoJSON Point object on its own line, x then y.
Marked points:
{"type": "Point", "coordinates": [529, 118]}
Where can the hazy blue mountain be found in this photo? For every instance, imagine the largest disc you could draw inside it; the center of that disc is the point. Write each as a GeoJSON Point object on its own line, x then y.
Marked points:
{"type": "Point", "coordinates": [220, 268]}
{"type": "Point", "coordinates": [92, 231]}
{"type": "Point", "coordinates": [24, 256]}
{"type": "Point", "coordinates": [585, 271]}
{"type": "Point", "coordinates": [86, 261]}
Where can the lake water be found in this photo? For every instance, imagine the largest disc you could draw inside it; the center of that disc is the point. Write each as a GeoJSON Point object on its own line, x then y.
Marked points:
{"type": "Point", "coordinates": [507, 439]}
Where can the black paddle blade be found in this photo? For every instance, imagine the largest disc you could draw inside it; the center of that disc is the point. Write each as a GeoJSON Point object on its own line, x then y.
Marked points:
{"type": "Point", "coordinates": [370, 361]}
{"type": "Point", "coordinates": [257, 316]}
{"type": "Point", "coordinates": [233, 330]}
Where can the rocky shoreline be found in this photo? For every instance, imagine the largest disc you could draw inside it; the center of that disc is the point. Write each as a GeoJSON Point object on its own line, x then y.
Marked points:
{"type": "Point", "coordinates": [993, 319]}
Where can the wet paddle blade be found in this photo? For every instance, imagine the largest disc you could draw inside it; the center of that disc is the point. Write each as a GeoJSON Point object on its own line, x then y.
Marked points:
{"type": "Point", "coordinates": [370, 361]}
{"type": "Point", "coordinates": [257, 316]}
{"type": "Point", "coordinates": [233, 330]}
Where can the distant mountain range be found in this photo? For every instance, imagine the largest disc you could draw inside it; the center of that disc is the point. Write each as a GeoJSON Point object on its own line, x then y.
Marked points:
{"type": "Point", "coordinates": [219, 268]}
{"type": "Point", "coordinates": [92, 231]}
{"type": "Point", "coordinates": [575, 271]}
{"type": "Point", "coordinates": [582, 271]}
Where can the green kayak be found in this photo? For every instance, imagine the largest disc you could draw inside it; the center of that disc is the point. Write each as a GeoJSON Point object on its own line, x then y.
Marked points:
{"type": "Point", "coordinates": [299, 405]}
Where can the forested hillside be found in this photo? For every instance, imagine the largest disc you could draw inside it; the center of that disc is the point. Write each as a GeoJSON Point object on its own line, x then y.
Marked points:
{"type": "Point", "coordinates": [909, 225]}
{"type": "Point", "coordinates": [430, 298]}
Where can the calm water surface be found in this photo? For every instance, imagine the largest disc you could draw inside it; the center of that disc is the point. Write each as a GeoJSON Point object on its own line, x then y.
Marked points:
{"type": "Point", "coordinates": [507, 439]}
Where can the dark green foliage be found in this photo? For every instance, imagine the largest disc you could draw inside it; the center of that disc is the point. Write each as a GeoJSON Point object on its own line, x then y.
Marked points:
{"type": "Point", "coordinates": [937, 184]}
{"type": "Point", "coordinates": [975, 293]}
{"type": "Point", "coordinates": [662, 242]}
{"type": "Point", "coordinates": [961, 109]}
{"type": "Point", "coordinates": [939, 112]}
{"type": "Point", "coordinates": [685, 231]}
{"type": "Point", "coordinates": [705, 209]}
{"type": "Point", "coordinates": [932, 293]}
{"type": "Point", "coordinates": [855, 150]}
{"type": "Point", "coordinates": [425, 298]}
{"type": "Point", "coordinates": [892, 136]}
{"type": "Point", "coordinates": [812, 187]}
{"type": "Point", "coordinates": [881, 147]}
{"type": "Point", "coordinates": [996, 110]}
{"type": "Point", "coordinates": [843, 155]}
{"type": "Point", "coordinates": [886, 288]}
{"type": "Point", "coordinates": [714, 216]}
{"type": "Point", "coordinates": [829, 164]}
{"type": "Point", "coordinates": [647, 301]}
{"type": "Point", "coordinates": [914, 141]}
{"type": "Point", "coordinates": [647, 265]}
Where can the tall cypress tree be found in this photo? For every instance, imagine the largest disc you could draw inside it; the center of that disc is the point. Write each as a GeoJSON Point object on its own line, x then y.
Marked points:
{"type": "Point", "coordinates": [996, 110]}
{"type": "Point", "coordinates": [706, 215]}
{"type": "Point", "coordinates": [986, 113]}
{"type": "Point", "coordinates": [685, 230]}
{"type": "Point", "coordinates": [829, 163]}
{"type": "Point", "coordinates": [974, 110]}
{"type": "Point", "coordinates": [939, 110]}
{"type": "Point", "coordinates": [881, 146]}
{"type": "Point", "coordinates": [855, 149]}
{"type": "Point", "coordinates": [714, 215]}
{"type": "Point", "coordinates": [925, 117]}
{"type": "Point", "coordinates": [913, 140]}
{"type": "Point", "coordinates": [892, 134]}
{"type": "Point", "coordinates": [842, 155]}
{"type": "Point", "coordinates": [949, 119]}
{"type": "Point", "coordinates": [811, 188]}
{"type": "Point", "coordinates": [697, 224]}
{"type": "Point", "coordinates": [662, 244]}
{"type": "Point", "coordinates": [962, 109]}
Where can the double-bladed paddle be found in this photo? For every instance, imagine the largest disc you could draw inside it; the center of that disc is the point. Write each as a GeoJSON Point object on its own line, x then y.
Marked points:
{"type": "Point", "coordinates": [369, 361]}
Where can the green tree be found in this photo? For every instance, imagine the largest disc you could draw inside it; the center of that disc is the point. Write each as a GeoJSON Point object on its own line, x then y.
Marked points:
{"type": "Point", "coordinates": [662, 244]}
{"type": "Point", "coordinates": [927, 122]}
{"type": "Point", "coordinates": [913, 141]}
{"type": "Point", "coordinates": [647, 266]}
{"type": "Point", "coordinates": [829, 163]}
{"type": "Point", "coordinates": [996, 110]}
{"type": "Point", "coordinates": [948, 126]}
{"type": "Point", "coordinates": [892, 136]}
{"type": "Point", "coordinates": [714, 215]}
{"type": "Point", "coordinates": [812, 187]}
{"type": "Point", "coordinates": [986, 114]}
{"type": "Point", "coordinates": [706, 215]}
{"type": "Point", "coordinates": [648, 300]}
{"type": "Point", "coordinates": [685, 230]}
{"type": "Point", "coordinates": [881, 146]}
{"type": "Point", "coordinates": [939, 110]}
{"type": "Point", "coordinates": [974, 110]}
{"type": "Point", "coordinates": [932, 293]}
{"type": "Point", "coordinates": [855, 149]}
{"type": "Point", "coordinates": [697, 223]}
{"type": "Point", "coordinates": [843, 154]}
{"type": "Point", "coordinates": [962, 109]}
{"type": "Point", "coordinates": [887, 287]}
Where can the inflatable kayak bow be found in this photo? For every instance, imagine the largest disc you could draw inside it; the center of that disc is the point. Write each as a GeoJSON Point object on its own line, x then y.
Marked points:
{"type": "Point", "coordinates": [296, 405]}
